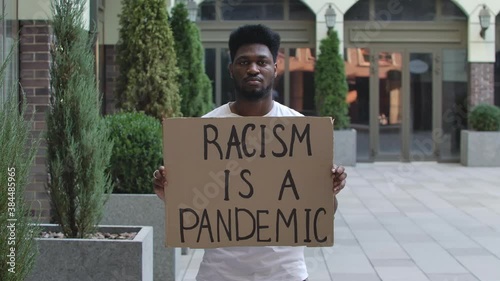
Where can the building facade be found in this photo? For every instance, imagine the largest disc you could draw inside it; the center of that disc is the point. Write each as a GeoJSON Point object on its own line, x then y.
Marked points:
{"type": "Point", "coordinates": [414, 68]}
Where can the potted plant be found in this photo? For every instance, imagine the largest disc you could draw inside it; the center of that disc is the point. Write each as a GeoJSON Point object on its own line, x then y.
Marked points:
{"type": "Point", "coordinates": [18, 149]}
{"type": "Point", "coordinates": [78, 155]}
{"type": "Point", "coordinates": [330, 97]}
{"type": "Point", "coordinates": [481, 145]}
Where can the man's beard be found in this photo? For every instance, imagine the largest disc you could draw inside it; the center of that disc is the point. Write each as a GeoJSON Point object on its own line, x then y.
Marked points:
{"type": "Point", "coordinates": [254, 94]}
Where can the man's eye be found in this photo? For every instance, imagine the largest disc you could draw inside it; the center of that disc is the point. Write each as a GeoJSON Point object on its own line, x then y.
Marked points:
{"type": "Point", "coordinates": [262, 62]}
{"type": "Point", "coordinates": [243, 62]}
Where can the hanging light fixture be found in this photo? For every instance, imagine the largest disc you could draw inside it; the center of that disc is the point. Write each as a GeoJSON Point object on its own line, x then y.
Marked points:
{"type": "Point", "coordinates": [484, 21]}
{"type": "Point", "coordinates": [330, 17]}
{"type": "Point", "coordinates": [192, 10]}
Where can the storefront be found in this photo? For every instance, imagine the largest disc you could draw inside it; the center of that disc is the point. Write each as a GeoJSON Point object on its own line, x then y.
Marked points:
{"type": "Point", "coordinates": [408, 64]}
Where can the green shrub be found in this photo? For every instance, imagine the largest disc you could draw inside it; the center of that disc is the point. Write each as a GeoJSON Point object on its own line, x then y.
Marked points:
{"type": "Point", "coordinates": [330, 82]}
{"type": "Point", "coordinates": [17, 152]}
{"type": "Point", "coordinates": [485, 117]}
{"type": "Point", "coordinates": [78, 145]}
{"type": "Point", "coordinates": [195, 86]}
{"type": "Point", "coordinates": [146, 60]}
{"type": "Point", "coordinates": [137, 151]}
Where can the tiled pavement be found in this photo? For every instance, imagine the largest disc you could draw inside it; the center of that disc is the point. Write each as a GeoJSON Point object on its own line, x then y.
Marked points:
{"type": "Point", "coordinates": [408, 222]}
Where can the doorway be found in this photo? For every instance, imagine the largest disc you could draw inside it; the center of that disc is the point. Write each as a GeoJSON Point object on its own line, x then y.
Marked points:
{"type": "Point", "coordinates": [394, 98]}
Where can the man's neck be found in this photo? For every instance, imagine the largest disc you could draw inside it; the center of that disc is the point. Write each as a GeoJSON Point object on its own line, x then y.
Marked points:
{"type": "Point", "coordinates": [259, 107]}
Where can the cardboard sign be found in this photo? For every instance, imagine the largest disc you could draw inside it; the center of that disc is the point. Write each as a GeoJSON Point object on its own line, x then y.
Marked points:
{"type": "Point", "coordinates": [251, 181]}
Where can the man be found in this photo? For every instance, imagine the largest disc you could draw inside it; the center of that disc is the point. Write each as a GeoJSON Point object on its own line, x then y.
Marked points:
{"type": "Point", "coordinates": [254, 49]}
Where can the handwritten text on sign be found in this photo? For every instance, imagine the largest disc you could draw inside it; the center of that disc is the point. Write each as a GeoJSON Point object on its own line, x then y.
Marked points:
{"type": "Point", "coordinates": [250, 181]}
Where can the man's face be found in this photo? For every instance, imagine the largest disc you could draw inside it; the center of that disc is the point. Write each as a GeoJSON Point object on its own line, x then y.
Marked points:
{"type": "Point", "coordinates": [253, 71]}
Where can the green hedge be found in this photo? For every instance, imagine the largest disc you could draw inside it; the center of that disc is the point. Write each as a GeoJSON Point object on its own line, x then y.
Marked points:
{"type": "Point", "coordinates": [137, 151]}
{"type": "Point", "coordinates": [330, 83]}
{"type": "Point", "coordinates": [485, 117]}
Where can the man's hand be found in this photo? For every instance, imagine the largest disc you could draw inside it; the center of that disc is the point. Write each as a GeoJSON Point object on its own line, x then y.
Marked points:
{"type": "Point", "coordinates": [338, 176]}
{"type": "Point", "coordinates": [160, 182]}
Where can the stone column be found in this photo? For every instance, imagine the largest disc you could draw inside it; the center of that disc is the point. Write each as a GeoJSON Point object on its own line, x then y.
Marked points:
{"type": "Point", "coordinates": [482, 83]}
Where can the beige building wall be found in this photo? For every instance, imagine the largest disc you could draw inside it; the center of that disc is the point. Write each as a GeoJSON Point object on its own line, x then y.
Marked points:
{"type": "Point", "coordinates": [40, 10]}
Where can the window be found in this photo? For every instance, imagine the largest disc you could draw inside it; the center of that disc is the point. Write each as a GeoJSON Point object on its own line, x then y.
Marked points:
{"type": "Point", "coordinates": [450, 11]}
{"type": "Point", "coordinates": [255, 10]}
{"type": "Point", "coordinates": [454, 102]}
{"type": "Point", "coordinates": [359, 11]}
{"type": "Point", "coordinates": [241, 10]}
{"type": "Point", "coordinates": [405, 10]}
{"type": "Point", "coordinates": [299, 11]}
{"type": "Point", "coordinates": [301, 62]}
{"type": "Point", "coordinates": [8, 37]}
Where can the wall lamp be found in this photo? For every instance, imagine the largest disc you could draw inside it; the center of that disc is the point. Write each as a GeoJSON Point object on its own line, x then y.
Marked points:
{"type": "Point", "coordinates": [330, 17]}
{"type": "Point", "coordinates": [192, 10]}
{"type": "Point", "coordinates": [484, 20]}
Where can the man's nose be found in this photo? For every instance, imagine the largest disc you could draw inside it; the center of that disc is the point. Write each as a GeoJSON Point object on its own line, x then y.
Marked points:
{"type": "Point", "coordinates": [253, 68]}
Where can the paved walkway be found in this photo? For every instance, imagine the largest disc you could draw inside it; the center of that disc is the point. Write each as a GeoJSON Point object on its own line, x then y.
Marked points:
{"type": "Point", "coordinates": [408, 222]}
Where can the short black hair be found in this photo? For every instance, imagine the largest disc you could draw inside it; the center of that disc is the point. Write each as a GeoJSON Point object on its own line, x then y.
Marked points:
{"type": "Point", "coordinates": [254, 34]}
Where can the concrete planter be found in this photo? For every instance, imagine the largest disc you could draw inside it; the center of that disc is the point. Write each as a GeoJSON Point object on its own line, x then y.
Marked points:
{"type": "Point", "coordinates": [480, 149]}
{"type": "Point", "coordinates": [344, 144]}
{"type": "Point", "coordinates": [145, 209]}
{"type": "Point", "coordinates": [95, 259]}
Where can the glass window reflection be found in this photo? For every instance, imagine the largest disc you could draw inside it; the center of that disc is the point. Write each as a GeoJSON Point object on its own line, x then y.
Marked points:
{"type": "Point", "coordinates": [252, 10]}
{"type": "Point", "coordinates": [210, 69]}
{"type": "Point", "coordinates": [227, 84]}
{"type": "Point", "coordinates": [405, 10]}
{"type": "Point", "coordinates": [357, 70]}
{"type": "Point", "coordinates": [300, 11]}
{"type": "Point", "coordinates": [8, 38]}
{"type": "Point", "coordinates": [450, 11]}
{"type": "Point", "coordinates": [359, 11]}
{"type": "Point", "coordinates": [454, 103]}
{"type": "Point", "coordinates": [301, 63]}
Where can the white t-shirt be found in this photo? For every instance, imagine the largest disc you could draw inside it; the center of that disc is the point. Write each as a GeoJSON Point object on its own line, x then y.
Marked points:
{"type": "Point", "coordinates": [267, 263]}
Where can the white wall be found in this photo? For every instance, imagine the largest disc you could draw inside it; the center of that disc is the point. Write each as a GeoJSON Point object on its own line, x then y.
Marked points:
{"type": "Point", "coordinates": [111, 21]}
{"type": "Point", "coordinates": [40, 10]}
{"type": "Point", "coordinates": [479, 49]}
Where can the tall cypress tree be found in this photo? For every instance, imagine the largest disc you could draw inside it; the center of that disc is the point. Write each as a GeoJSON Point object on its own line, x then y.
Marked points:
{"type": "Point", "coordinates": [195, 86]}
{"type": "Point", "coordinates": [147, 60]}
{"type": "Point", "coordinates": [330, 82]}
{"type": "Point", "coordinates": [18, 149]}
{"type": "Point", "coordinates": [78, 145]}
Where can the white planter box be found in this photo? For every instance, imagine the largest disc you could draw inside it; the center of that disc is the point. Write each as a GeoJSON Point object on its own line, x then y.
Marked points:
{"type": "Point", "coordinates": [480, 149]}
{"type": "Point", "coordinates": [95, 259]}
{"type": "Point", "coordinates": [145, 209]}
{"type": "Point", "coordinates": [344, 144]}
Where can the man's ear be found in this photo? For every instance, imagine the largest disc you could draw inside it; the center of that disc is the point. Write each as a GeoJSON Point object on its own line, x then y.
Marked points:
{"type": "Point", "coordinates": [275, 70]}
{"type": "Point", "coordinates": [230, 69]}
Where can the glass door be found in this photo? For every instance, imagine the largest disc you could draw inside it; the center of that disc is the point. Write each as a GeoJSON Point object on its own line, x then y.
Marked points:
{"type": "Point", "coordinates": [387, 107]}
{"type": "Point", "coordinates": [403, 105]}
{"type": "Point", "coordinates": [421, 115]}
